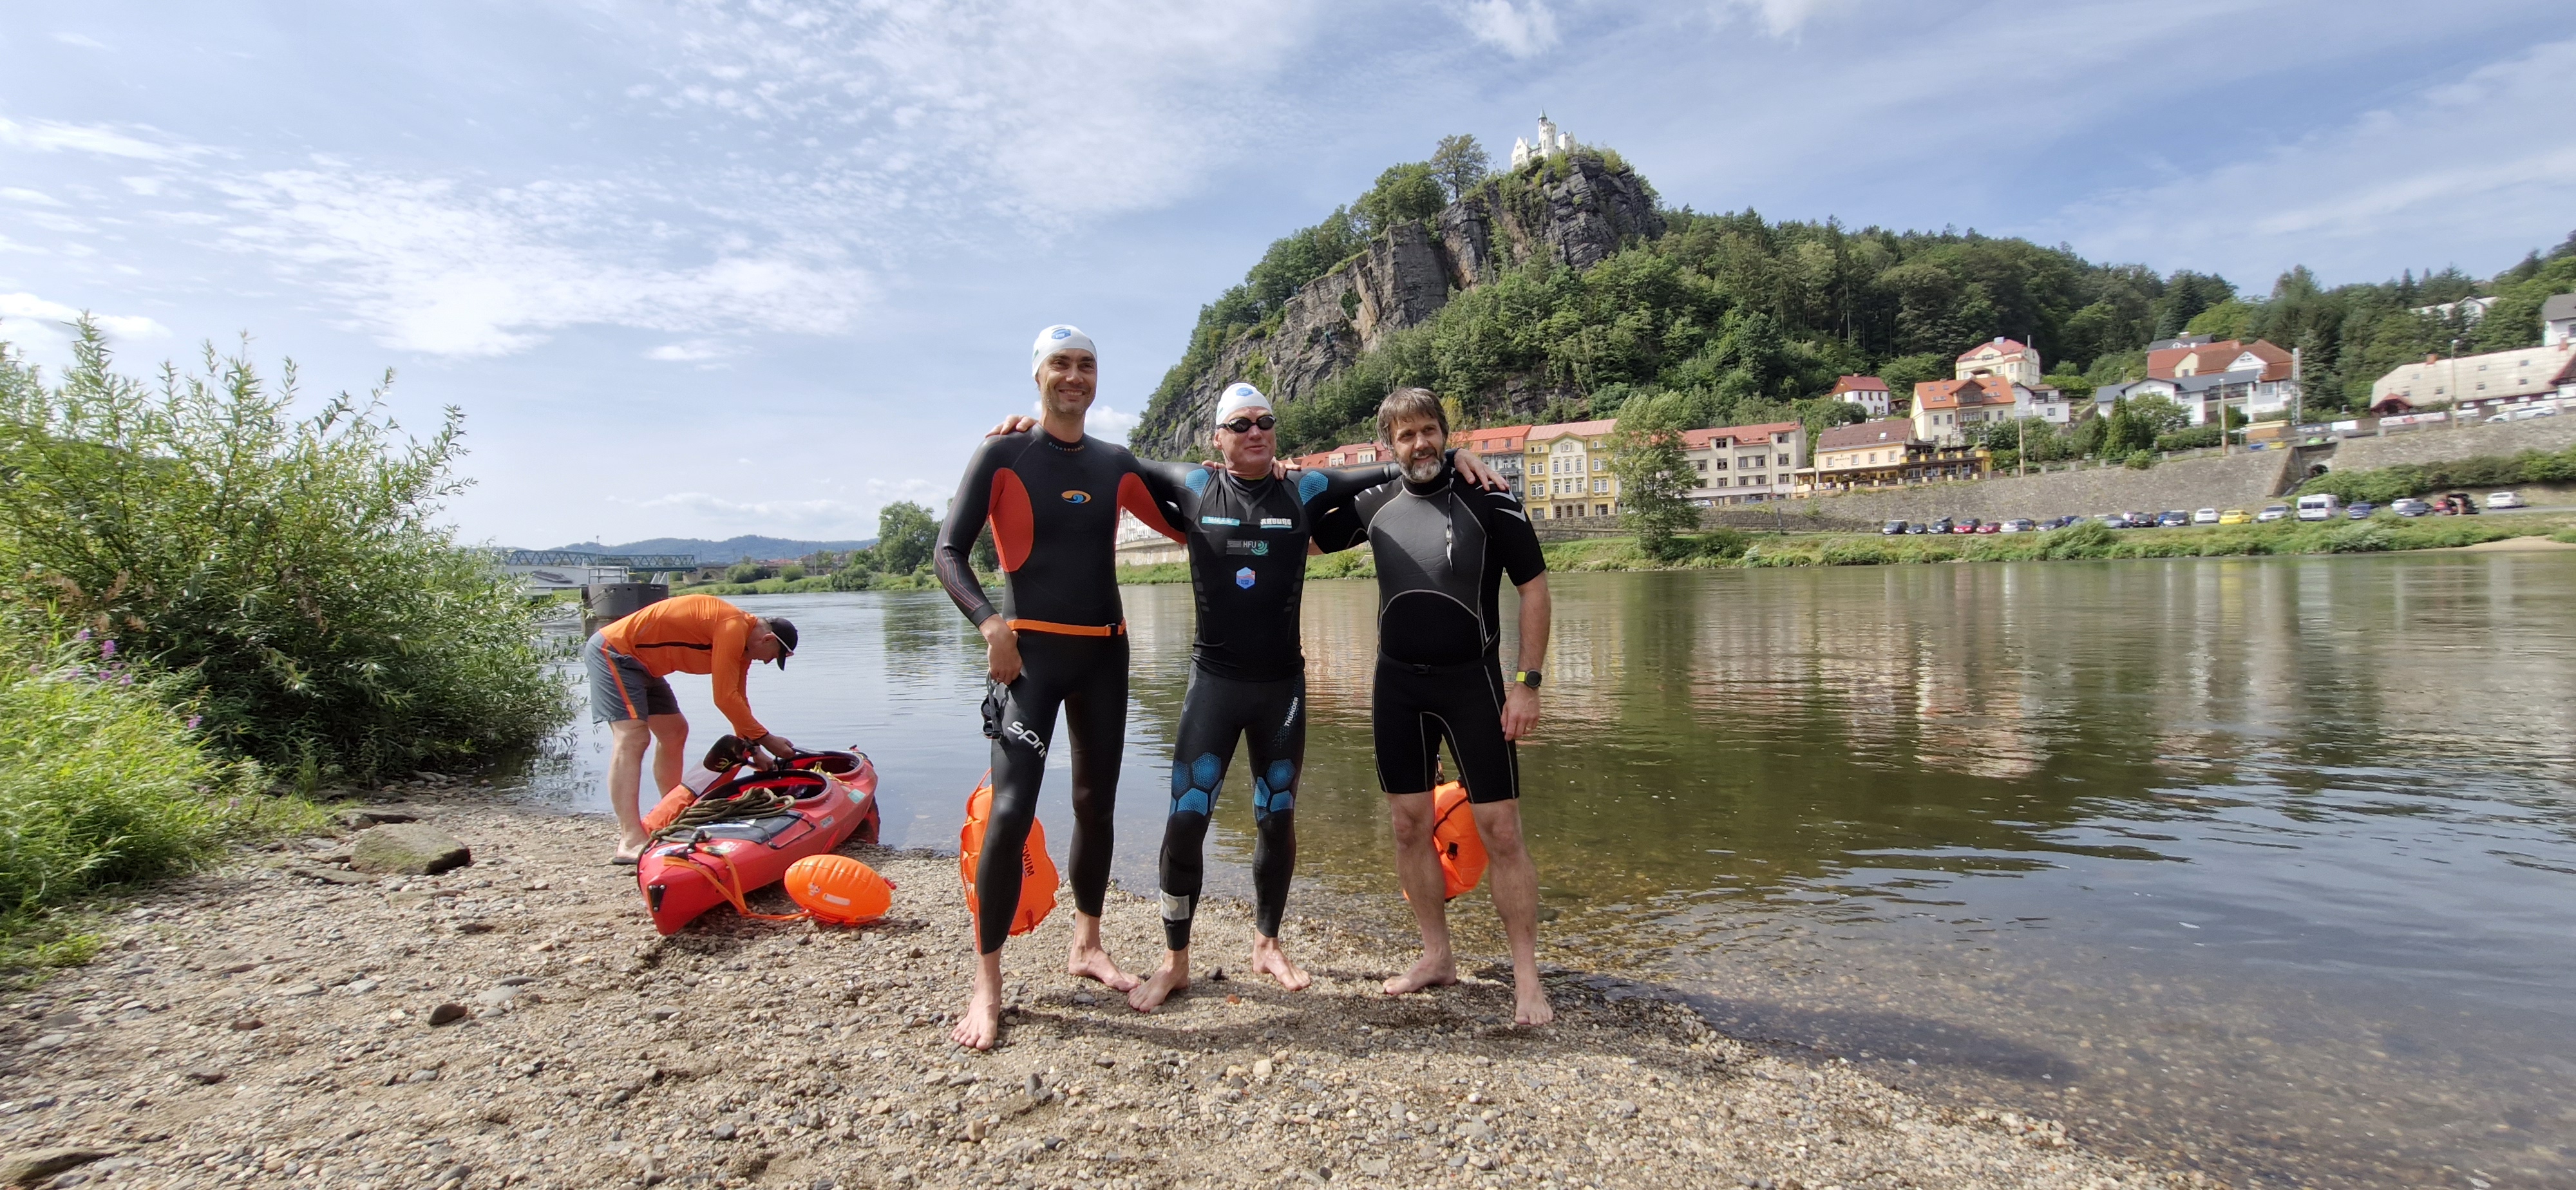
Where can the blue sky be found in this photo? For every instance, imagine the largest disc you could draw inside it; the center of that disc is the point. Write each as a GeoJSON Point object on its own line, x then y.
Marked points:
{"type": "Point", "coordinates": [708, 268]}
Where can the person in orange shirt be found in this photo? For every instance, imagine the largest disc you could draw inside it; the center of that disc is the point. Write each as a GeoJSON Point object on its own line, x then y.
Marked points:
{"type": "Point", "coordinates": [628, 662]}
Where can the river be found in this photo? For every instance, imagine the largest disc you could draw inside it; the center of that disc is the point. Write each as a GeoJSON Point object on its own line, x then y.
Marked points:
{"type": "Point", "coordinates": [2262, 866]}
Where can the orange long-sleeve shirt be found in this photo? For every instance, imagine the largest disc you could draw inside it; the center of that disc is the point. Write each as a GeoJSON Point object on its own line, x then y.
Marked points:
{"type": "Point", "coordinates": [696, 634]}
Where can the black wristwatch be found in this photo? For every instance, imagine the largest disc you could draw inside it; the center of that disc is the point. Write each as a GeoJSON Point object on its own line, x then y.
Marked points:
{"type": "Point", "coordinates": [1527, 677]}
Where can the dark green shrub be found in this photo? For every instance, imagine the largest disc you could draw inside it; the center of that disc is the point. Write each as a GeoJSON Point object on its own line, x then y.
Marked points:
{"type": "Point", "coordinates": [289, 574]}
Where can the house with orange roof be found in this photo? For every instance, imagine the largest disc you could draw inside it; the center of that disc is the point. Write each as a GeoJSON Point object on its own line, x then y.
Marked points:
{"type": "Point", "coordinates": [1868, 392]}
{"type": "Point", "coordinates": [1501, 448]}
{"type": "Point", "coordinates": [1567, 470]}
{"type": "Point", "coordinates": [1744, 464]}
{"type": "Point", "coordinates": [2009, 359]}
{"type": "Point", "coordinates": [1878, 454]}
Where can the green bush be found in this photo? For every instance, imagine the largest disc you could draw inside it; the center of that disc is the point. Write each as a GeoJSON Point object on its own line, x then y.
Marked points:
{"type": "Point", "coordinates": [2140, 460]}
{"type": "Point", "coordinates": [288, 574]}
{"type": "Point", "coordinates": [102, 783]}
{"type": "Point", "coordinates": [2384, 484]}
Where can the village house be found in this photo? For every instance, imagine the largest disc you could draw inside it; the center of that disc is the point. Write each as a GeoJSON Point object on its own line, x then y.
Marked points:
{"type": "Point", "coordinates": [1883, 454]}
{"type": "Point", "coordinates": [1568, 470]}
{"type": "Point", "coordinates": [1744, 464]}
{"type": "Point", "coordinates": [2474, 384]}
{"type": "Point", "coordinates": [2001, 357]}
{"type": "Point", "coordinates": [1501, 449]}
{"type": "Point", "coordinates": [2558, 320]}
{"type": "Point", "coordinates": [1868, 392]}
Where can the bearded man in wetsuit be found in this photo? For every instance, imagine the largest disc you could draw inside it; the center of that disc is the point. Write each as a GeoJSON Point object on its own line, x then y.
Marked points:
{"type": "Point", "coordinates": [1052, 495]}
{"type": "Point", "coordinates": [1442, 548]}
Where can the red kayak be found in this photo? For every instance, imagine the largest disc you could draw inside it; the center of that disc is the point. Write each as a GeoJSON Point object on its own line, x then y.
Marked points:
{"type": "Point", "coordinates": [812, 807]}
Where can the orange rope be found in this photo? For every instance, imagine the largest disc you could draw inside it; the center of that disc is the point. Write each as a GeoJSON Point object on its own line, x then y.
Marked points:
{"type": "Point", "coordinates": [732, 892]}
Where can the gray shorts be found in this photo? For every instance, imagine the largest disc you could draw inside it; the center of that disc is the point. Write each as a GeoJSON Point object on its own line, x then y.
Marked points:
{"type": "Point", "coordinates": [619, 687]}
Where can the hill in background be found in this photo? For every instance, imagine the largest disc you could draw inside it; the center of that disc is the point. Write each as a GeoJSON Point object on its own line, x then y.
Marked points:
{"type": "Point", "coordinates": [747, 548]}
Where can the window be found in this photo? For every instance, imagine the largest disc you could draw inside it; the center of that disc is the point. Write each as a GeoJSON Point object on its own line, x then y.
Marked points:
{"type": "Point", "coordinates": [1702, 464]}
{"type": "Point", "coordinates": [1600, 510]}
{"type": "Point", "coordinates": [1600, 486]}
{"type": "Point", "coordinates": [1721, 464]}
{"type": "Point", "coordinates": [1784, 460]}
{"type": "Point", "coordinates": [1600, 464]}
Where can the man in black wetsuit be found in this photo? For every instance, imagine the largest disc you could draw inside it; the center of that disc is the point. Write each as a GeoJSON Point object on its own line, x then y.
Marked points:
{"type": "Point", "coordinates": [1442, 549]}
{"type": "Point", "coordinates": [1248, 531]}
{"type": "Point", "coordinates": [1052, 495]}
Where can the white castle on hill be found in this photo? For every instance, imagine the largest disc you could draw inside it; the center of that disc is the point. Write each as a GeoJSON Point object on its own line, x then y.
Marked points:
{"type": "Point", "coordinates": [1550, 143]}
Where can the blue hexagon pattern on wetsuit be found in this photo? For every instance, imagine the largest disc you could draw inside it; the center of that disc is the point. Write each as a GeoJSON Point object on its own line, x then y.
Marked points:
{"type": "Point", "coordinates": [1310, 485]}
{"type": "Point", "coordinates": [1198, 480]}
{"type": "Point", "coordinates": [1271, 793]}
{"type": "Point", "coordinates": [1194, 785]}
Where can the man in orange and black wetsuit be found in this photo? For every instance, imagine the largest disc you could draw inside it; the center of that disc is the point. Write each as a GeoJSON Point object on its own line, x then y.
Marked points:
{"type": "Point", "coordinates": [1052, 495]}
{"type": "Point", "coordinates": [628, 663]}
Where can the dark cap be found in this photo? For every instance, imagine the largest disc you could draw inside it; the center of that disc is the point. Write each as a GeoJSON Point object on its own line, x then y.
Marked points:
{"type": "Point", "coordinates": [785, 630]}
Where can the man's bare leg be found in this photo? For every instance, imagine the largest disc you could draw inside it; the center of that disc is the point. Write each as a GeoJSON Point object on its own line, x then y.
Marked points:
{"type": "Point", "coordinates": [1269, 959]}
{"type": "Point", "coordinates": [627, 738]}
{"type": "Point", "coordinates": [1516, 899]}
{"type": "Point", "coordinates": [981, 1024]}
{"type": "Point", "coordinates": [1417, 868]}
{"type": "Point", "coordinates": [670, 751]}
{"type": "Point", "coordinates": [1089, 959]}
{"type": "Point", "coordinates": [1173, 976]}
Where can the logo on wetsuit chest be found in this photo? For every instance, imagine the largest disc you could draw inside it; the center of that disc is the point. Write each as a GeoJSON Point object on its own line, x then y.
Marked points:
{"type": "Point", "coordinates": [1220, 520]}
{"type": "Point", "coordinates": [1243, 578]}
{"type": "Point", "coordinates": [1077, 497]}
{"type": "Point", "coordinates": [1258, 549]}
{"type": "Point", "coordinates": [1277, 522]}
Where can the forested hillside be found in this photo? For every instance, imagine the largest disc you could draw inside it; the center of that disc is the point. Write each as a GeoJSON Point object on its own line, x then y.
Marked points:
{"type": "Point", "coordinates": [1747, 319]}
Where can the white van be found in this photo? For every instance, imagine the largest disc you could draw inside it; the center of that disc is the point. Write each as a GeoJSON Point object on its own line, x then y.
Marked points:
{"type": "Point", "coordinates": [2323, 506]}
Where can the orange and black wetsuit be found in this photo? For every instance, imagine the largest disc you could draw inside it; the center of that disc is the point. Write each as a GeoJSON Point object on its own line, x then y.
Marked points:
{"type": "Point", "coordinates": [694, 634]}
{"type": "Point", "coordinates": [1054, 508]}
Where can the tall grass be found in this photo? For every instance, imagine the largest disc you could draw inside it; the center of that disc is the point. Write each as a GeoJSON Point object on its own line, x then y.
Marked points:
{"type": "Point", "coordinates": [102, 783]}
{"type": "Point", "coordinates": [287, 572]}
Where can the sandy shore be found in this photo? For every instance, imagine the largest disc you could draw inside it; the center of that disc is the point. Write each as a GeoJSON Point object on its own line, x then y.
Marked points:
{"type": "Point", "coordinates": [269, 1025]}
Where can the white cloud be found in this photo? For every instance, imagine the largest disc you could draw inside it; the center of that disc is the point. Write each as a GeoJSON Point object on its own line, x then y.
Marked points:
{"type": "Point", "coordinates": [52, 136]}
{"type": "Point", "coordinates": [86, 43]}
{"type": "Point", "coordinates": [1780, 17]}
{"type": "Point", "coordinates": [1521, 28]}
{"type": "Point", "coordinates": [693, 351]}
{"type": "Point", "coordinates": [1105, 422]}
{"type": "Point", "coordinates": [429, 266]}
{"type": "Point", "coordinates": [2485, 162]}
{"type": "Point", "coordinates": [123, 326]}
{"type": "Point", "coordinates": [32, 197]}
{"type": "Point", "coordinates": [833, 514]}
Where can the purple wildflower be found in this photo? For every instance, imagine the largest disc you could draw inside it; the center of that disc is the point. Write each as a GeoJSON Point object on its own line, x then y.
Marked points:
{"type": "Point", "coordinates": [194, 720]}
{"type": "Point", "coordinates": [82, 636]}
{"type": "Point", "coordinates": [106, 649]}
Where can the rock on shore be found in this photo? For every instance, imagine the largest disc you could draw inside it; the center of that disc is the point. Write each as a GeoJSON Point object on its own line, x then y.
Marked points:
{"type": "Point", "coordinates": [517, 1023]}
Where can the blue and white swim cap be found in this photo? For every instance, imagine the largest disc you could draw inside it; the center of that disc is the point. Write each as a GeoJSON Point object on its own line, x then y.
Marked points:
{"type": "Point", "coordinates": [1060, 337]}
{"type": "Point", "coordinates": [1238, 397]}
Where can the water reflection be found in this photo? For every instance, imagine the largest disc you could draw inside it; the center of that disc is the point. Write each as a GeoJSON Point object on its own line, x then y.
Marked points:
{"type": "Point", "coordinates": [2261, 865]}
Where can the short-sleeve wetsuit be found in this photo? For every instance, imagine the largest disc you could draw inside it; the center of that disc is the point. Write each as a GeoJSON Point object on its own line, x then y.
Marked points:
{"type": "Point", "coordinates": [1442, 550]}
{"type": "Point", "coordinates": [1247, 542]}
{"type": "Point", "coordinates": [1054, 509]}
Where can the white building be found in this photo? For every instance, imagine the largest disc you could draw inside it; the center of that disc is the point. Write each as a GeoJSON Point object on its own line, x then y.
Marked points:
{"type": "Point", "coordinates": [1550, 143]}
{"type": "Point", "coordinates": [1868, 392]}
{"type": "Point", "coordinates": [2558, 320]}
{"type": "Point", "coordinates": [2003, 357]}
{"type": "Point", "coordinates": [2475, 381]}
{"type": "Point", "coordinates": [1744, 464]}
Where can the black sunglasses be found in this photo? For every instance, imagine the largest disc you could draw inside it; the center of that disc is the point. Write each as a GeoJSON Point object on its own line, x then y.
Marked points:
{"type": "Point", "coordinates": [1245, 425]}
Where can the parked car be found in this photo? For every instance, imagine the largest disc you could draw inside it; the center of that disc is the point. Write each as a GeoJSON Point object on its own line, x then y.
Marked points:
{"type": "Point", "coordinates": [2409, 506]}
{"type": "Point", "coordinates": [1967, 526]}
{"type": "Point", "coordinates": [1989, 527]}
{"type": "Point", "coordinates": [2321, 506]}
{"type": "Point", "coordinates": [2206, 516]}
{"type": "Point", "coordinates": [2019, 525]}
{"type": "Point", "coordinates": [2237, 516]}
{"type": "Point", "coordinates": [2505, 500]}
{"type": "Point", "coordinates": [1917, 529]}
{"type": "Point", "coordinates": [2114, 520]}
{"type": "Point", "coordinates": [2173, 519]}
{"type": "Point", "coordinates": [2271, 513]}
{"type": "Point", "coordinates": [1942, 524]}
{"type": "Point", "coordinates": [2360, 510]}
{"type": "Point", "coordinates": [2456, 504]}
{"type": "Point", "coordinates": [1893, 529]}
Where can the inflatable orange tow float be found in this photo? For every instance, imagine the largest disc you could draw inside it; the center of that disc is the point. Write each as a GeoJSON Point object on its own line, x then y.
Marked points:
{"type": "Point", "coordinates": [1453, 835]}
{"type": "Point", "coordinates": [1037, 872]}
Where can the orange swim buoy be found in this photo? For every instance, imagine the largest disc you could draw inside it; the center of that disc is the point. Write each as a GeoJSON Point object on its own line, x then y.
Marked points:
{"type": "Point", "coordinates": [1037, 872]}
{"type": "Point", "coordinates": [1453, 834]}
{"type": "Point", "coordinates": [838, 889]}
{"type": "Point", "coordinates": [667, 811]}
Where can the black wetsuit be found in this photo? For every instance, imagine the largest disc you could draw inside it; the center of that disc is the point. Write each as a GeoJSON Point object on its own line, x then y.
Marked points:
{"type": "Point", "coordinates": [1442, 551]}
{"type": "Point", "coordinates": [1054, 508]}
{"type": "Point", "coordinates": [1247, 542]}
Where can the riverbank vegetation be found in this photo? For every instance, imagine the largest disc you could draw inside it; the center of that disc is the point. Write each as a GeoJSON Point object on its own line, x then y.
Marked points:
{"type": "Point", "coordinates": [285, 573]}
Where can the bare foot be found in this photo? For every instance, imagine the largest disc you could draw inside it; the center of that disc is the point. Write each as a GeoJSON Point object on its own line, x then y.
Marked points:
{"type": "Point", "coordinates": [1426, 972]}
{"type": "Point", "coordinates": [1529, 1003]}
{"type": "Point", "coordinates": [1172, 976]}
{"type": "Point", "coordinates": [981, 1025]}
{"type": "Point", "coordinates": [630, 850]}
{"type": "Point", "coordinates": [1269, 959]}
{"type": "Point", "coordinates": [1092, 962]}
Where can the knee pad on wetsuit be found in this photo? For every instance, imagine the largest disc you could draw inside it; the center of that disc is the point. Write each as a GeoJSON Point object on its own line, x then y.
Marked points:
{"type": "Point", "coordinates": [1194, 784]}
{"type": "Point", "coordinates": [1274, 791]}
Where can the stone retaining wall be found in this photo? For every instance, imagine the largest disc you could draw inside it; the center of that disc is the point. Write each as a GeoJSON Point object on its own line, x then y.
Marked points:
{"type": "Point", "coordinates": [2442, 443]}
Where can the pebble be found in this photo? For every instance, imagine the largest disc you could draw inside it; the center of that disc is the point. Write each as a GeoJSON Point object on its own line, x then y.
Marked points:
{"type": "Point", "coordinates": [446, 1014]}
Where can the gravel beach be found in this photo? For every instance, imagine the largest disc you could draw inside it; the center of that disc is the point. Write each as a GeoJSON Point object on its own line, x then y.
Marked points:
{"type": "Point", "coordinates": [284, 1021]}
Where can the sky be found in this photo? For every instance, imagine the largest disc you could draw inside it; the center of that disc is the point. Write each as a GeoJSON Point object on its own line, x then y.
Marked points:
{"type": "Point", "coordinates": [703, 267]}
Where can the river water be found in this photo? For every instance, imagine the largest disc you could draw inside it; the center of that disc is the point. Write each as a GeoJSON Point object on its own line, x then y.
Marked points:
{"type": "Point", "coordinates": [2264, 867]}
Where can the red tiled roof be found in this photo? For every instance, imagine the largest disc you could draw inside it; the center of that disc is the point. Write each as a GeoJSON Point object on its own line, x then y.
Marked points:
{"type": "Point", "coordinates": [1957, 394]}
{"type": "Point", "coordinates": [2004, 345]}
{"type": "Point", "coordinates": [1850, 384]}
{"type": "Point", "coordinates": [1867, 433]}
{"type": "Point", "coordinates": [1493, 437]}
{"type": "Point", "coordinates": [2214, 357]}
{"type": "Point", "coordinates": [1583, 429]}
{"type": "Point", "coordinates": [1700, 439]}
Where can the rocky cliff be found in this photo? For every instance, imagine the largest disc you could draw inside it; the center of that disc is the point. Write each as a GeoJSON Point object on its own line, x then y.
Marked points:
{"type": "Point", "coordinates": [1578, 217]}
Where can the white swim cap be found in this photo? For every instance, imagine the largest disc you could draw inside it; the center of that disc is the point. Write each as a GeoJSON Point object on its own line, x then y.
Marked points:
{"type": "Point", "coordinates": [1238, 397]}
{"type": "Point", "coordinates": [1060, 337]}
